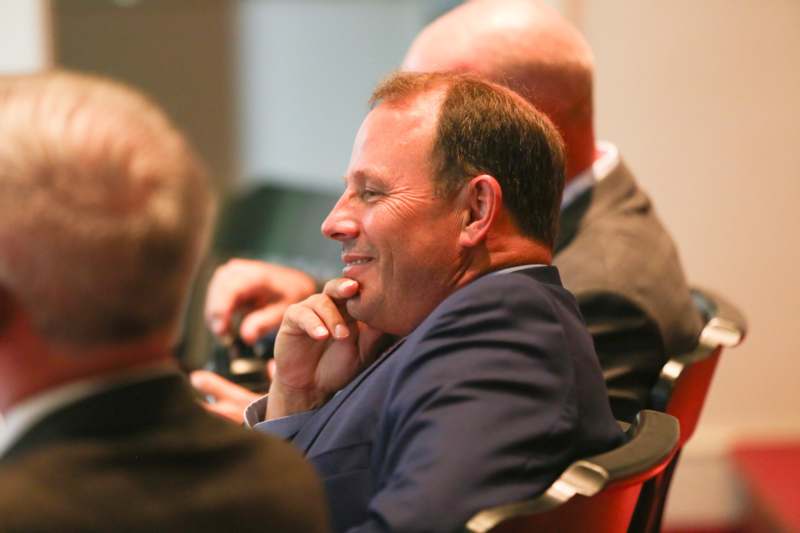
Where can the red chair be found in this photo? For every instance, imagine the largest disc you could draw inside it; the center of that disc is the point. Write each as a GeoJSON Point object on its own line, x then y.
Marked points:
{"type": "Point", "coordinates": [596, 494]}
{"type": "Point", "coordinates": [681, 391]}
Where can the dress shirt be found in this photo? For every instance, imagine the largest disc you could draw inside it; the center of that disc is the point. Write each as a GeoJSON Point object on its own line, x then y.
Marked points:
{"type": "Point", "coordinates": [602, 167]}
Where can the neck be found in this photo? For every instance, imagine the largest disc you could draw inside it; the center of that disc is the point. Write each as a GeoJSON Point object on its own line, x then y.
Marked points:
{"type": "Point", "coordinates": [30, 365]}
{"type": "Point", "coordinates": [580, 150]}
{"type": "Point", "coordinates": [504, 249]}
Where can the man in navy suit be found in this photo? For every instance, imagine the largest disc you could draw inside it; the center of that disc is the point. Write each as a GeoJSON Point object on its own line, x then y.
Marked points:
{"type": "Point", "coordinates": [492, 386]}
{"type": "Point", "coordinates": [636, 305]}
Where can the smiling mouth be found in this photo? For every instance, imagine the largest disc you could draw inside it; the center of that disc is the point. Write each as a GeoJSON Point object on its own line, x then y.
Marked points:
{"type": "Point", "coordinates": [354, 263]}
{"type": "Point", "coordinates": [357, 262]}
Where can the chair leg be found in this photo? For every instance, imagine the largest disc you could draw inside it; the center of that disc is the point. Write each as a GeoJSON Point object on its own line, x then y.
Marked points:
{"type": "Point", "coordinates": [650, 506]}
{"type": "Point", "coordinates": [654, 525]}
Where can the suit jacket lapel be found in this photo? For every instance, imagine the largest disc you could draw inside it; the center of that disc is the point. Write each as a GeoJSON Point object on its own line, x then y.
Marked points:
{"type": "Point", "coordinates": [306, 437]}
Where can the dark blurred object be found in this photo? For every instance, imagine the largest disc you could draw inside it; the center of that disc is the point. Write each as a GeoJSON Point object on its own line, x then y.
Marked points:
{"type": "Point", "coordinates": [241, 363]}
{"type": "Point", "coordinates": [279, 224]}
{"type": "Point", "coordinates": [681, 391]}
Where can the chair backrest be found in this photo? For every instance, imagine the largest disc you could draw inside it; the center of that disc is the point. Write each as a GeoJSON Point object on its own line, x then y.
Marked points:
{"type": "Point", "coordinates": [683, 385]}
{"type": "Point", "coordinates": [681, 391]}
{"type": "Point", "coordinates": [597, 493]}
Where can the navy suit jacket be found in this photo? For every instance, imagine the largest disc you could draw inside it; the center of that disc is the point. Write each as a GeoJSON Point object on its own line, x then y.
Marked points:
{"type": "Point", "coordinates": [485, 402]}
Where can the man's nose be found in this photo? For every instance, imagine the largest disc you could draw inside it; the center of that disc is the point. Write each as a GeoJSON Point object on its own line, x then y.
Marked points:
{"type": "Point", "coordinates": [340, 224]}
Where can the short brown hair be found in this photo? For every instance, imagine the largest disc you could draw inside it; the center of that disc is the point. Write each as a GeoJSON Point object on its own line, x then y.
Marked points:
{"type": "Point", "coordinates": [484, 128]}
{"type": "Point", "coordinates": [104, 208]}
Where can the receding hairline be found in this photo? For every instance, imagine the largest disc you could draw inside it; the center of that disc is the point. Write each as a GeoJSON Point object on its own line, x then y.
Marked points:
{"type": "Point", "coordinates": [434, 86]}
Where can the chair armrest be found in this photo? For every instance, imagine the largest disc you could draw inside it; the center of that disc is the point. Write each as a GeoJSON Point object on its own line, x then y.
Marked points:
{"type": "Point", "coordinates": [726, 326]}
{"type": "Point", "coordinates": [653, 439]}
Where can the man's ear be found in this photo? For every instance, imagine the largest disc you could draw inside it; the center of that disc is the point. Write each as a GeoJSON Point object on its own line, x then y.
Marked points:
{"type": "Point", "coordinates": [483, 199]}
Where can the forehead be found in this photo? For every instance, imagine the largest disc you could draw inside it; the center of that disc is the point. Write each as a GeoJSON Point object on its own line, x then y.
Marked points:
{"type": "Point", "coordinates": [397, 137]}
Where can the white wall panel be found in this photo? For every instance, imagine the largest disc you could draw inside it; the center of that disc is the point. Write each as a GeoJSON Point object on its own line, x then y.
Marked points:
{"type": "Point", "coordinates": [23, 36]}
{"type": "Point", "coordinates": [306, 72]}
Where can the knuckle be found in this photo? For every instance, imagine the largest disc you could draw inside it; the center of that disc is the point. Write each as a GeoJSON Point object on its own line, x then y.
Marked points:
{"type": "Point", "coordinates": [316, 300]}
{"type": "Point", "coordinates": [293, 310]}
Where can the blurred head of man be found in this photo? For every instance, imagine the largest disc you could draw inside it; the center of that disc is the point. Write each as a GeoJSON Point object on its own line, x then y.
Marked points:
{"type": "Point", "coordinates": [450, 177]}
{"type": "Point", "coordinates": [527, 46]}
{"type": "Point", "coordinates": [104, 211]}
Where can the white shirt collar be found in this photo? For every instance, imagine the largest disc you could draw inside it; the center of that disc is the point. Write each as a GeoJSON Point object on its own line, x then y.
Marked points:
{"type": "Point", "coordinates": [27, 413]}
{"type": "Point", "coordinates": [602, 167]}
{"type": "Point", "coordinates": [514, 269]}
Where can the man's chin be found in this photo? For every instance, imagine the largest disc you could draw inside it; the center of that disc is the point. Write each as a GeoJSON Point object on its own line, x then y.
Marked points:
{"type": "Point", "coordinates": [355, 308]}
{"type": "Point", "coordinates": [370, 312]}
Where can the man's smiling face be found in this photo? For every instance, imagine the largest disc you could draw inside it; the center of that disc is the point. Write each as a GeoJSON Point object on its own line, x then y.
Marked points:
{"type": "Point", "coordinates": [399, 238]}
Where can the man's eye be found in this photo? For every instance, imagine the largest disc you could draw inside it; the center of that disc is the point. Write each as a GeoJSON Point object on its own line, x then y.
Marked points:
{"type": "Point", "coordinates": [369, 194]}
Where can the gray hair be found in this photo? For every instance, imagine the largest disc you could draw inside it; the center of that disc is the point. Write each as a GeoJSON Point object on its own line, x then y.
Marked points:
{"type": "Point", "coordinates": [104, 208]}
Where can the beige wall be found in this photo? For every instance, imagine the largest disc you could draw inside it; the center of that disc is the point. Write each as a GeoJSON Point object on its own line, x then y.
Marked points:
{"type": "Point", "coordinates": [703, 99]}
{"type": "Point", "coordinates": [180, 52]}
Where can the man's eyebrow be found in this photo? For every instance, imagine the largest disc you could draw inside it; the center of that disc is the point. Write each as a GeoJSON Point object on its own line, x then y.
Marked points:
{"type": "Point", "coordinates": [360, 175]}
{"type": "Point", "coordinates": [364, 176]}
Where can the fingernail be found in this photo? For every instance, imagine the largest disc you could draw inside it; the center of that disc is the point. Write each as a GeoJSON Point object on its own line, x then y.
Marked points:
{"type": "Point", "coordinates": [320, 332]}
{"type": "Point", "coordinates": [349, 284]}
{"type": "Point", "coordinates": [340, 332]}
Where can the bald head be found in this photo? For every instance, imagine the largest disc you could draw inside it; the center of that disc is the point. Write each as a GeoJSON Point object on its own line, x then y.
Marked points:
{"type": "Point", "coordinates": [527, 46]}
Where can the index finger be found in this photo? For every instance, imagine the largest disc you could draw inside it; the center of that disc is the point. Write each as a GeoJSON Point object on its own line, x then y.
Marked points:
{"type": "Point", "coordinates": [339, 289]}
